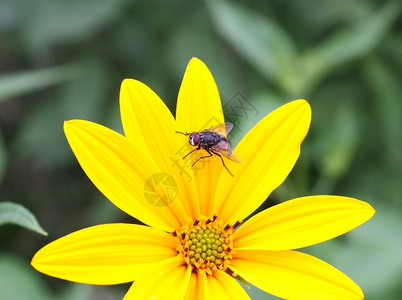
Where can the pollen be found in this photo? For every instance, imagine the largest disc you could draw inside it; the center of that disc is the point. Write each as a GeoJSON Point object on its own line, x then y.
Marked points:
{"type": "Point", "coordinates": [206, 244]}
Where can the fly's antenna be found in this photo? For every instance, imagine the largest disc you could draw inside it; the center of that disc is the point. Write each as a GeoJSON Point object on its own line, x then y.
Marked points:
{"type": "Point", "coordinates": [182, 133]}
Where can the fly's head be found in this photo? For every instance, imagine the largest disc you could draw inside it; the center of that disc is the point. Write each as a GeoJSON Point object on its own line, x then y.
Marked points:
{"type": "Point", "coordinates": [194, 139]}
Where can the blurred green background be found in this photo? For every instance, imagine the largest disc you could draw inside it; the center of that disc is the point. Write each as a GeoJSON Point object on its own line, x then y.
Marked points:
{"type": "Point", "coordinates": [66, 59]}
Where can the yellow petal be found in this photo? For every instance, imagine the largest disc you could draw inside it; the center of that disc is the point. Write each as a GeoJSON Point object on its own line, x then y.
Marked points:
{"type": "Point", "coordinates": [198, 287]}
{"type": "Point", "coordinates": [294, 275]}
{"type": "Point", "coordinates": [105, 254]}
{"type": "Point", "coordinates": [218, 286]}
{"type": "Point", "coordinates": [120, 171]}
{"type": "Point", "coordinates": [224, 287]}
{"type": "Point", "coordinates": [302, 222]}
{"type": "Point", "coordinates": [166, 280]}
{"type": "Point", "coordinates": [148, 123]}
{"type": "Point", "coordinates": [269, 152]}
{"type": "Point", "coordinates": [194, 289]}
{"type": "Point", "coordinates": [198, 108]}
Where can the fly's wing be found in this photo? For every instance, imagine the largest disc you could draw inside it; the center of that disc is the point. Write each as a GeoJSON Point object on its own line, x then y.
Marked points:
{"type": "Point", "coordinates": [222, 129]}
{"type": "Point", "coordinates": [223, 148]}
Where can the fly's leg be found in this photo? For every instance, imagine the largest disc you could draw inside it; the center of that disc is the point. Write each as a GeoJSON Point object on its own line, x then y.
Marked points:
{"type": "Point", "coordinates": [221, 160]}
{"type": "Point", "coordinates": [210, 154]}
{"type": "Point", "coordinates": [198, 148]}
{"type": "Point", "coordinates": [206, 156]}
{"type": "Point", "coordinates": [183, 133]}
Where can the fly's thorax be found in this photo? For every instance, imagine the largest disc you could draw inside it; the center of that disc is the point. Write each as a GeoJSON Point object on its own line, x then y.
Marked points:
{"type": "Point", "coordinates": [208, 139]}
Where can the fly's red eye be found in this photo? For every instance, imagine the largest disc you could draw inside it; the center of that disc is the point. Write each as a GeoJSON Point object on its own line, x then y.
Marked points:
{"type": "Point", "coordinates": [194, 139]}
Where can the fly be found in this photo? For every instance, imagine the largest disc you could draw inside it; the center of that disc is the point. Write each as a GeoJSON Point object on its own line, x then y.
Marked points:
{"type": "Point", "coordinates": [214, 141]}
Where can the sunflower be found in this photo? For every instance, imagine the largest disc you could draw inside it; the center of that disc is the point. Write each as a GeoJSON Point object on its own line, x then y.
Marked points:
{"type": "Point", "coordinates": [193, 246]}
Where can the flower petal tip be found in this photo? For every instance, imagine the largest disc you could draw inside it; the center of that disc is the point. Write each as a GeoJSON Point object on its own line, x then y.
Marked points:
{"type": "Point", "coordinates": [197, 63]}
{"type": "Point", "coordinates": [304, 103]}
{"type": "Point", "coordinates": [195, 60]}
{"type": "Point", "coordinates": [128, 81]}
{"type": "Point", "coordinates": [370, 210]}
{"type": "Point", "coordinates": [364, 207]}
{"type": "Point", "coordinates": [71, 125]}
{"type": "Point", "coordinates": [67, 125]}
{"type": "Point", "coordinates": [35, 262]}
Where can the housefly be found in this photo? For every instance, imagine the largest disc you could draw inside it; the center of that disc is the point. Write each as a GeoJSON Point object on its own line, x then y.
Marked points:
{"type": "Point", "coordinates": [214, 141]}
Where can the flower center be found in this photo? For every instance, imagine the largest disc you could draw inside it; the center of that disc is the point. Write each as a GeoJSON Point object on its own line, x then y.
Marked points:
{"type": "Point", "coordinates": [206, 244]}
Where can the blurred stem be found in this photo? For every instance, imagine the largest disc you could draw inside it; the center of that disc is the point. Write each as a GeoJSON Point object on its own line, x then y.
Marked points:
{"type": "Point", "coordinates": [324, 185]}
{"type": "Point", "coordinates": [301, 172]}
{"type": "Point", "coordinates": [286, 190]}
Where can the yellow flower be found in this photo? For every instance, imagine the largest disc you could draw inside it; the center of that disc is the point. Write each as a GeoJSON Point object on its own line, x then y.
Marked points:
{"type": "Point", "coordinates": [191, 248]}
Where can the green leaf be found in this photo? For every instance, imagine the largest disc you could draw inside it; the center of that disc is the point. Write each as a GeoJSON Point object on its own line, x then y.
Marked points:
{"type": "Point", "coordinates": [334, 148]}
{"type": "Point", "coordinates": [78, 291]}
{"type": "Point", "coordinates": [42, 129]}
{"type": "Point", "coordinates": [18, 281]}
{"type": "Point", "coordinates": [50, 22]}
{"type": "Point", "coordinates": [23, 82]}
{"type": "Point", "coordinates": [386, 89]}
{"type": "Point", "coordinates": [261, 41]}
{"type": "Point", "coordinates": [14, 213]}
{"type": "Point", "coordinates": [350, 43]}
{"type": "Point", "coordinates": [341, 142]}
